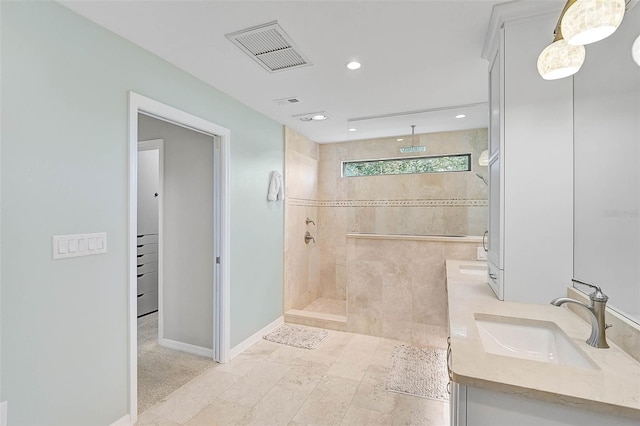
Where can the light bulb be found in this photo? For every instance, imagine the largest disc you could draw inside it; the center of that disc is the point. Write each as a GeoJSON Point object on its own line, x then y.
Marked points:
{"type": "Point", "coordinates": [354, 65]}
{"type": "Point", "coordinates": [588, 21]}
{"type": "Point", "coordinates": [559, 60]}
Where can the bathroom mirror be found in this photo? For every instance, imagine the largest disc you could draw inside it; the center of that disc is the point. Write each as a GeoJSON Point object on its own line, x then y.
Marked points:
{"type": "Point", "coordinates": [607, 169]}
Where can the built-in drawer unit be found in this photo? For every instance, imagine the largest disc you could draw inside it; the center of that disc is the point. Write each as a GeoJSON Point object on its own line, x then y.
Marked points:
{"type": "Point", "coordinates": [147, 248]}
{"type": "Point", "coordinates": [147, 267]}
{"type": "Point", "coordinates": [147, 271]}
{"type": "Point", "coordinates": [147, 258]}
{"type": "Point", "coordinates": [147, 302]}
{"type": "Point", "coordinates": [495, 280]}
{"type": "Point", "coordinates": [147, 282]}
{"type": "Point", "coordinates": [147, 239]}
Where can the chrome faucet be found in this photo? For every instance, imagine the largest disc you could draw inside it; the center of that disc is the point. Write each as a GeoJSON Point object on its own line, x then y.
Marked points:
{"type": "Point", "coordinates": [598, 338]}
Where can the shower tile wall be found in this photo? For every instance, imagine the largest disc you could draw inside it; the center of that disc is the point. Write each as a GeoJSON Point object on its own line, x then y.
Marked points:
{"type": "Point", "coordinates": [416, 204]}
{"type": "Point", "coordinates": [419, 204]}
{"type": "Point", "coordinates": [397, 287]}
{"type": "Point", "coordinates": [302, 269]}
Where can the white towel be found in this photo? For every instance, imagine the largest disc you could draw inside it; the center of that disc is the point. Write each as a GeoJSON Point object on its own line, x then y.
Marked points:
{"type": "Point", "coordinates": [276, 187]}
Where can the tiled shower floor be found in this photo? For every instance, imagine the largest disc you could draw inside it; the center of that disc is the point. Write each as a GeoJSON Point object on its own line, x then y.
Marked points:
{"type": "Point", "coordinates": [322, 312]}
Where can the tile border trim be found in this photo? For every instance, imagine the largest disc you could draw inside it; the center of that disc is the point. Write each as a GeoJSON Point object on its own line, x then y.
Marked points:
{"type": "Point", "coordinates": [388, 203]}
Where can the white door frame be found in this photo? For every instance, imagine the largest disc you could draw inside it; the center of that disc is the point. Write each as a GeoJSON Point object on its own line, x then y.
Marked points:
{"type": "Point", "coordinates": [221, 285]}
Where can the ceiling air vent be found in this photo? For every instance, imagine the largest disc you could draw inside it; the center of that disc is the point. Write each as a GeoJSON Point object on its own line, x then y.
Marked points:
{"type": "Point", "coordinates": [270, 47]}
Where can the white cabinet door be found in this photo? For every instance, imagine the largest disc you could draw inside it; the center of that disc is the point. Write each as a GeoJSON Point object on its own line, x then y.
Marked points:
{"type": "Point", "coordinates": [496, 209]}
{"type": "Point", "coordinates": [488, 408]}
{"type": "Point", "coordinates": [458, 405]}
{"type": "Point", "coordinates": [495, 101]}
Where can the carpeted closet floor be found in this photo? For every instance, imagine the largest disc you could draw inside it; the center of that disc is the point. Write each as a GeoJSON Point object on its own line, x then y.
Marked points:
{"type": "Point", "coordinates": [162, 370]}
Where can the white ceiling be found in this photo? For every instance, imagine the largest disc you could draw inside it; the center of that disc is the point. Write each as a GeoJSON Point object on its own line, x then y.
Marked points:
{"type": "Point", "coordinates": [421, 57]}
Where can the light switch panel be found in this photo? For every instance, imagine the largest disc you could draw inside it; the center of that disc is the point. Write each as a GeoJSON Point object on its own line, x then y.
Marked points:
{"type": "Point", "coordinates": [79, 245]}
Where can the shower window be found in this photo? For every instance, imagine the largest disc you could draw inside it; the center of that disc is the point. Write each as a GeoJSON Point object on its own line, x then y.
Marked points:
{"type": "Point", "coordinates": [400, 166]}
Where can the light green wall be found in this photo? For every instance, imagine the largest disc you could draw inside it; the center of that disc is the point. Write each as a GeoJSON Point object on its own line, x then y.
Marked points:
{"type": "Point", "coordinates": [65, 83]}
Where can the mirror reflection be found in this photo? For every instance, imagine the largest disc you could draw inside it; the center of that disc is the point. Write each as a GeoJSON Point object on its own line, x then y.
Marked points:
{"type": "Point", "coordinates": [607, 176]}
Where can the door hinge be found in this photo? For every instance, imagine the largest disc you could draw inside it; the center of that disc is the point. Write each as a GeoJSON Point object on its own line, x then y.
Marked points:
{"type": "Point", "coordinates": [218, 260]}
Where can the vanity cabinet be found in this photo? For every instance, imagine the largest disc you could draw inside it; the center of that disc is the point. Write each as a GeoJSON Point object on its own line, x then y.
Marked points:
{"type": "Point", "coordinates": [471, 406]}
{"type": "Point", "coordinates": [531, 161]}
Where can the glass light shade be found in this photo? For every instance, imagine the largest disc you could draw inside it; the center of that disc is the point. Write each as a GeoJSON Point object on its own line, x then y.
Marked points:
{"type": "Point", "coordinates": [560, 59]}
{"type": "Point", "coordinates": [635, 51]}
{"type": "Point", "coordinates": [588, 21]}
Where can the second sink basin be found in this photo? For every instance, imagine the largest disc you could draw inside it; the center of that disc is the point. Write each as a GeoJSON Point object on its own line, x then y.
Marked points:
{"type": "Point", "coordinates": [530, 339]}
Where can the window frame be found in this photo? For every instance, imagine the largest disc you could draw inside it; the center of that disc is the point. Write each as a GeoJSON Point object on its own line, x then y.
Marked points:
{"type": "Point", "coordinates": [468, 155]}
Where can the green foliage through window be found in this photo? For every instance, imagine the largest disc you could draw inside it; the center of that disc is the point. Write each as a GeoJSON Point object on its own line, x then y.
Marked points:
{"type": "Point", "coordinates": [400, 166]}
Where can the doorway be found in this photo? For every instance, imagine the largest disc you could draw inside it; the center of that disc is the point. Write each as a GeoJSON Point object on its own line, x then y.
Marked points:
{"type": "Point", "coordinates": [210, 338]}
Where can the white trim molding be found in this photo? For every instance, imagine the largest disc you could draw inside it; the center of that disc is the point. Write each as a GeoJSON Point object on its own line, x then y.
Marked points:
{"type": "Point", "coordinates": [186, 347]}
{"type": "Point", "coordinates": [123, 421]}
{"type": "Point", "coordinates": [511, 10]}
{"type": "Point", "coordinates": [139, 104]}
{"type": "Point", "coordinates": [244, 345]}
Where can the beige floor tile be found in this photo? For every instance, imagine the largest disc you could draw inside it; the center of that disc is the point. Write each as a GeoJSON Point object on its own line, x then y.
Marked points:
{"type": "Point", "coordinates": [186, 402]}
{"type": "Point", "coordinates": [411, 410]}
{"type": "Point", "coordinates": [287, 355]}
{"type": "Point", "coordinates": [239, 366]}
{"type": "Point", "coordinates": [328, 403]}
{"type": "Point", "coordinates": [249, 389]}
{"type": "Point", "coordinates": [353, 370]}
{"type": "Point", "coordinates": [372, 393]}
{"type": "Point", "coordinates": [358, 416]}
{"type": "Point", "coordinates": [269, 370]}
{"type": "Point", "coordinates": [277, 407]}
{"type": "Point", "coordinates": [341, 382]}
{"type": "Point", "coordinates": [303, 378]}
{"type": "Point", "coordinates": [317, 357]}
{"type": "Point", "coordinates": [384, 351]}
{"type": "Point", "coordinates": [219, 412]}
{"type": "Point", "coordinates": [148, 419]}
{"type": "Point", "coordinates": [260, 349]}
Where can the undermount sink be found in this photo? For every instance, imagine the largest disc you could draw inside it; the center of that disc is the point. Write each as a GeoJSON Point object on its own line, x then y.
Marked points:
{"type": "Point", "coordinates": [530, 339]}
{"type": "Point", "coordinates": [473, 269]}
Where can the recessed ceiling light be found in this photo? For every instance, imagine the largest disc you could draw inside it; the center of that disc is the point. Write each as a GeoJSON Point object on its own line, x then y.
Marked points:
{"type": "Point", "coordinates": [352, 129]}
{"type": "Point", "coordinates": [461, 115]}
{"type": "Point", "coordinates": [312, 116]}
{"type": "Point", "coordinates": [354, 65]}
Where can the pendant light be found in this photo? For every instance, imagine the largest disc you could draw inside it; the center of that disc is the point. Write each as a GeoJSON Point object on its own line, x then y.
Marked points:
{"type": "Point", "coordinates": [560, 59]}
{"type": "Point", "coordinates": [588, 21]}
{"type": "Point", "coordinates": [635, 51]}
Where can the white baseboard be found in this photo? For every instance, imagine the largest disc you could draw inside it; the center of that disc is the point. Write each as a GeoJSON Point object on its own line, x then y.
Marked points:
{"type": "Point", "coordinates": [243, 346]}
{"type": "Point", "coordinates": [124, 421]}
{"type": "Point", "coordinates": [186, 347]}
{"type": "Point", "coordinates": [4, 407]}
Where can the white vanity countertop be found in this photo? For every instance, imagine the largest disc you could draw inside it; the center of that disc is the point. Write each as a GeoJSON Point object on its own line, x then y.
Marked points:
{"type": "Point", "coordinates": [612, 389]}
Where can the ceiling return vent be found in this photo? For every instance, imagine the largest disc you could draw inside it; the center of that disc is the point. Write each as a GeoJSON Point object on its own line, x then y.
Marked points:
{"type": "Point", "coordinates": [270, 47]}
